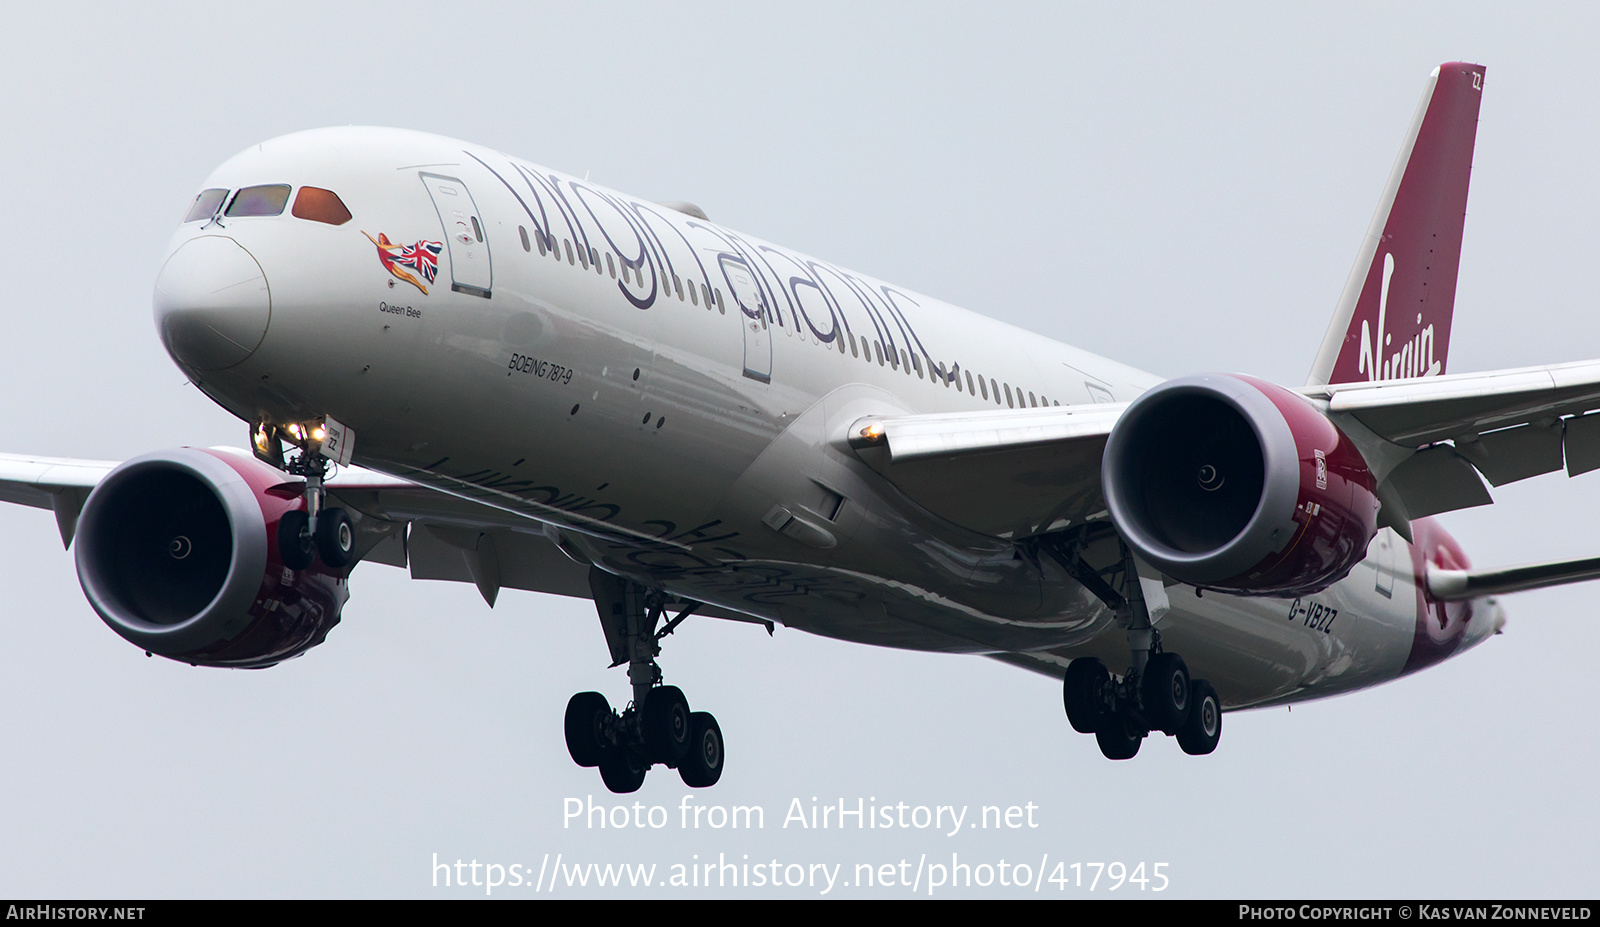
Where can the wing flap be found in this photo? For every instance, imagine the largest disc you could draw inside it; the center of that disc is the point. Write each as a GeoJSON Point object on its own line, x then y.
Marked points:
{"type": "Point", "coordinates": [1581, 442]}
{"type": "Point", "coordinates": [1437, 479]}
{"type": "Point", "coordinates": [1515, 453]}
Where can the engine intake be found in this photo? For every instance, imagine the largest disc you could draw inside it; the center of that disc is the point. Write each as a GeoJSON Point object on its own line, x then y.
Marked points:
{"type": "Point", "coordinates": [177, 552]}
{"type": "Point", "coordinates": [1232, 483]}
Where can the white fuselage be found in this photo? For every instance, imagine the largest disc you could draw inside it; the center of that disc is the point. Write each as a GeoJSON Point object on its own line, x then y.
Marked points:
{"type": "Point", "coordinates": [653, 386]}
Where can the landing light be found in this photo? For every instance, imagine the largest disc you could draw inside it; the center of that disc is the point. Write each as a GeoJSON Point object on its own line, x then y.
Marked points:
{"type": "Point", "coordinates": [866, 433]}
{"type": "Point", "coordinates": [325, 436]}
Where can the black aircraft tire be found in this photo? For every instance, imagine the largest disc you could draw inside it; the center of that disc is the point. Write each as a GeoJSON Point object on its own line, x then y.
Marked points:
{"type": "Point", "coordinates": [336, 538]}
{"type": "Point", "coordinates": [296, 548]}
{"type": "Point", "coordinates": [622, 770]}
{"type": "Point", "coordinates": [702, 766]}
{"type": "Point", "coordinates": [1201, 733]}
{"type": "Point", "coordinates": [665, 724]}
{"type": "Point", "coordinates": [1080, 694]}
{"type": "Point", "coordinates": [587, 713]}
{"type": "Point", "coordinates": [1118, 739]}
{"type": "Point", "coordinates": [1164, 689]}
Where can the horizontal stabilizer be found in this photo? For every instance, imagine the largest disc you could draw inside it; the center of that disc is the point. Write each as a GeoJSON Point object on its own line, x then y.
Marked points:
{"type": "Point", "coordinates": [1454, 585]}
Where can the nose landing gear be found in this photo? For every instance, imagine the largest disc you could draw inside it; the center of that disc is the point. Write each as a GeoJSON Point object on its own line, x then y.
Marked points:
{"type": "Point", "coordinates": [316, 530]}
{"type": "Point", "coordinates": [657, 727]}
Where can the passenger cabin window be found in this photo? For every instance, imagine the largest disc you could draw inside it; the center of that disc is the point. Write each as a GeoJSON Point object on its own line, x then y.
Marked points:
{"type": "Point", "coordinates": [523, 234]}
{"type": "Point", "coordinates": [320, 205]}
{"type": "Point", "coordinates": [611, 267]}
{"type": "Point", "coordinates": [264, 200]}
{"type": "Point", "coordinates": [206, 204]}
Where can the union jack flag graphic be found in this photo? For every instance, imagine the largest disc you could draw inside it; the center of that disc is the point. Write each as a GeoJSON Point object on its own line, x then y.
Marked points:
{"type": "Point", "coordinates": [422, 257]}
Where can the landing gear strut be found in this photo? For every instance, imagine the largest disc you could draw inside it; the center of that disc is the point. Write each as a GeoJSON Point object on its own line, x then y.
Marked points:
{"type": "Point", "coordinates": [1155, 693]}
{"type": "Point", "coordinates": [317, 529]}
{"type": "Point", "coordinates": [657, 727]}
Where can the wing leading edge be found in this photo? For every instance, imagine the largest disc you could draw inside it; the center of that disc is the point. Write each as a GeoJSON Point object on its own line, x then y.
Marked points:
{"type": "Point", "coordinates": [1433, 441]}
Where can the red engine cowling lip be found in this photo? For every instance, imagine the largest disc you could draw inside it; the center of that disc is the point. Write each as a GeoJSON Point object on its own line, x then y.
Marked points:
{"type": "Point", "coordinates": [1269, 528]}
{"type": "Point", "coordinates": [229, 612]}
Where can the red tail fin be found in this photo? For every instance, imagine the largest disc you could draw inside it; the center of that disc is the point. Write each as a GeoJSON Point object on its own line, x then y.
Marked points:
{"type": "Point", "coordinates": [1393, 319]}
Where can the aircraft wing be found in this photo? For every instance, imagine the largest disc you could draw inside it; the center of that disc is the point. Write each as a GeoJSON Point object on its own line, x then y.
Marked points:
{"type": "Point", "coordinates": [1507, 425]}
{"type": "Point", "coordinates": [401, 523]}
{"type": "Point", "coordinates": [433, 534]}
{"type": "Point", "coordinates": [1428, 409]}
{"type": "Point", "coordinates": [1010, 473]}
{"type": "Point", "coordinates": [1015, 473]}
{"type": "Point", "coordinates": [56, 483]}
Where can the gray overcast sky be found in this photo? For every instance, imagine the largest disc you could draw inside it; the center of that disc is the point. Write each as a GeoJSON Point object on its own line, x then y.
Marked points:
{"type": "Point", "coordinates": [1179, 188]}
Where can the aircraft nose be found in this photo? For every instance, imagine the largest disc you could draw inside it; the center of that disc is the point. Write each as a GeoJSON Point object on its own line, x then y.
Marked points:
{"type": "Point", "coordinates": [212, 304]}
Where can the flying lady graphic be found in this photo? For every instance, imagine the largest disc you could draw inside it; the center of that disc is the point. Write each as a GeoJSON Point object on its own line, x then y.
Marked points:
{"type": "Point", "coordinates": [422, 257]}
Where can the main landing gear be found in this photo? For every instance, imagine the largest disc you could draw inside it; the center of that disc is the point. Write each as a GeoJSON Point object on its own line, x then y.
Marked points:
{"type": "Point", "coordinates": [1120, 713]}
{"type": "Point", "coordinates": [657, 727]}
{"type": "Point", "coordinates": [1155, 694]}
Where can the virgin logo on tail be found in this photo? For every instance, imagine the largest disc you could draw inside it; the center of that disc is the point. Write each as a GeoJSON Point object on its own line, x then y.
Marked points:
{"type": "Point", "coordinates": [1414, 358]}
{"type": "Point", "coordinates": [1409, 259]}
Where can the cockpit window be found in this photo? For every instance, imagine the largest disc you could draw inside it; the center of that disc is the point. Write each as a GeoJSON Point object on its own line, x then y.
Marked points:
{"type": "Point", "coordinates": [265, 200]}
{"type": "Point", "coordinates": [206, 204]}
{"type": "Point", "coordinates": [320, 205]}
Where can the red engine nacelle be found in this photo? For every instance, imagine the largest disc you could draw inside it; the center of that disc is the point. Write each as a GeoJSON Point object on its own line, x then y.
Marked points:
{"type": "Point", "coordinates": [1232, 483]}
{"type": "Point", "coordinates": [178, 553]}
